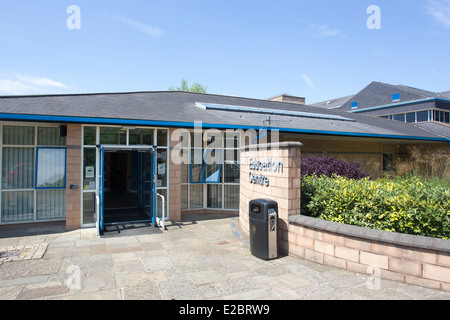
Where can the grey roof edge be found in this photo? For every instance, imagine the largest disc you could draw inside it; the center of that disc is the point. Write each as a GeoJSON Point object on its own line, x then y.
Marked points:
{"type": "Point", "coordinates": [399, 239]}
{"type": "Point", "coordinates": [56, 95]}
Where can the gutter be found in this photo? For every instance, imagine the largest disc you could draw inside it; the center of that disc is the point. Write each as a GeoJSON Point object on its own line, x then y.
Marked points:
{"type": "Point", "coordinates": [153, 123]}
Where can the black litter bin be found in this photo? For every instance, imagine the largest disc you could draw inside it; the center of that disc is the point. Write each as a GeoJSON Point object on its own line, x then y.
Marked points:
{"type": "Point", "coordinates": [263, 228]}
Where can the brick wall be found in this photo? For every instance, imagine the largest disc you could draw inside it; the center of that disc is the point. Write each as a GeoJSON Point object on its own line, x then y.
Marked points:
{"type": "Point", "coordinates": [284, 187]}
{"type": "Point", "coordinates": [73, 176]}
{"type": "Point", "coordinates": [404, 258]}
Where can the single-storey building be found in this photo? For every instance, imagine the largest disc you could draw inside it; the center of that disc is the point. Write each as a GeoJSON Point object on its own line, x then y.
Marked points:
{"type": "Point", "coordinates": [93, 160]}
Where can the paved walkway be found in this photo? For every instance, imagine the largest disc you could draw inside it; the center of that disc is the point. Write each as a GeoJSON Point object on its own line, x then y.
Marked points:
{"type": "Point", "coordinates": [205, 258]}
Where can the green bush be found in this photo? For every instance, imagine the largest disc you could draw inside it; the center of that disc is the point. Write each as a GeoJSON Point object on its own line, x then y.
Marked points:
{"type": "Point", "coordinates": [405, 205]}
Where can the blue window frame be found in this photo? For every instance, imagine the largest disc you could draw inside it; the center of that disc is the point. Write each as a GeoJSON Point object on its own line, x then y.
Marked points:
{"type": "Point", "coordinates": [206, 166]}
{"type": "Point", "coordinates": [50, 171]}
{"type": "Point", "coordinates": [355, 105]}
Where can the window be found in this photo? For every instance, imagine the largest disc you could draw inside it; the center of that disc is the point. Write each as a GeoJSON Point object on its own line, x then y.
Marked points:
{"type": "Point", "coordinates": [355, 105]}
{"type": "Point", "coordinates": [396, 97]}
{"type": "Point", "coordinates": [210, 179]}
{"type": "Point", "coordinates": [411, 117]}
{"type": "Point", "coordinates": [213, 166]}
{"type": "Point", "coordinates": [142, 137]}
{"type": "Point", "coordinates": [206, 166]}
{"type": "Point", "coordinates": [51, 168]}
{"type": "Point", "coordinates": [111, 135]}
{"type": "Point", "coordinates": [33, 174]}
{"type": "Point", "coordinates": [214, 199]}
{"type": "Point", "coordinates": [50, 137]}
{"type": "Point", "coordinates": [422, 116]}
{"type": "Point", "coordinates": [388, 162]}
{"type": "Point", "coordinates": [399, 117]}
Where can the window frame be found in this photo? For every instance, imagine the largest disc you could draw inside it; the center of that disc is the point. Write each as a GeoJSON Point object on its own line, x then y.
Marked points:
{"type": "Point", "coordinates": [204, 179]}
{"type": "Point", "coordinates": [36, 173]}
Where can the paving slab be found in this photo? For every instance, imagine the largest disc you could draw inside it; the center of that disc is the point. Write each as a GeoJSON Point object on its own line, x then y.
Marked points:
{"type": "Point", "coordinates": [204, 257]}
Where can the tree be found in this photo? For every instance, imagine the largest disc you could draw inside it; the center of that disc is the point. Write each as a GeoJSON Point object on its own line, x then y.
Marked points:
{"type": "Point", "coordinates": [196, 87]}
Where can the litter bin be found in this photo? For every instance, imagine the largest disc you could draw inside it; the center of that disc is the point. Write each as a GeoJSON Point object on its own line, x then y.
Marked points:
{"type": "Point", "coordinates": [263, 216]}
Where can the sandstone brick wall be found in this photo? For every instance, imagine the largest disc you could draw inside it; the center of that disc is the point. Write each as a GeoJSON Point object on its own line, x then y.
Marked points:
{"type": "Point", "coordinates": [73, 176]}
{"type": "Point", "coordinates": [284, 187]}
{"type": "Point", "coordinates": [404, 258]}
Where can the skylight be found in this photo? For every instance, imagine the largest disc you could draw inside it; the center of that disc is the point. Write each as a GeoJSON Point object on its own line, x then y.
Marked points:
{"type": "Point", "coordinates": [220, 107]}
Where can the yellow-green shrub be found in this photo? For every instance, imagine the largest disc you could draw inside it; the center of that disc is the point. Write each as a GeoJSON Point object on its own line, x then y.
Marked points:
{"type": "Point", "coordinates": [405, 205]}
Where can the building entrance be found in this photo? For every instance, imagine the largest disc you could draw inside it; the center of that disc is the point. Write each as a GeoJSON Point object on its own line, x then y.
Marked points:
{"type": "Point", "coordinates": [126, 186]}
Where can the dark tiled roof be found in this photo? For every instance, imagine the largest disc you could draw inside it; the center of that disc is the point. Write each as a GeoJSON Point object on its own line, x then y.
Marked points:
{"type": "Point", "coordinates": [179, 109]}
{"type": "Point", "coordinates": [435, 127]}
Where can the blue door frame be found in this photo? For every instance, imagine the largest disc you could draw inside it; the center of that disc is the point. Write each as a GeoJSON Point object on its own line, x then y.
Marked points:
{"type": "Point", "coordinates": [146, 183]}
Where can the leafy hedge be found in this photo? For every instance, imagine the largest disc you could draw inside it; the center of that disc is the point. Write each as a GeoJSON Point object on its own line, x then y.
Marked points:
{"type": "Point", "coordinates": [404, 205]}
{"type": "Point", "coordinates": [328, 165]}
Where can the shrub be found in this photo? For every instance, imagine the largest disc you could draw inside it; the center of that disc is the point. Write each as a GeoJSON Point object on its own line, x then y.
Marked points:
{"type": "Point", "coordinates": [404, 205]}
{"type": "Point", "coordinates": [425, 163]}
{"type": "Point", "coordinates": [327, 166]}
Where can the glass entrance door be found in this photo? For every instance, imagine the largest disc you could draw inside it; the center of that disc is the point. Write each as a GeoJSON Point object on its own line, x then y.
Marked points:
{"type": "Point", "coordinates": [126, 189]}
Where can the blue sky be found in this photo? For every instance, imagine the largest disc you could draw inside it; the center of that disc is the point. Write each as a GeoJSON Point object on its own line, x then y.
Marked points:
{"type": "Point", "coordinates": [318, 49]}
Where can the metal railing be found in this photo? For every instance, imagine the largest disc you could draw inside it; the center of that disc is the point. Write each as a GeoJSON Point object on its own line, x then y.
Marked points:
{"type": "Point", "coordinates": [161, 221]}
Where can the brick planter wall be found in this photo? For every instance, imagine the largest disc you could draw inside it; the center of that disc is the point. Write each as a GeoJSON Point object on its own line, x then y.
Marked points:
{"type": "Point", "coordinates": [405, 258]}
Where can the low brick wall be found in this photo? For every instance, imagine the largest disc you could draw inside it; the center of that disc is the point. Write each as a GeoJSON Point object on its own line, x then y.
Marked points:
{"type": "Point", "coordinates": [405, 258]}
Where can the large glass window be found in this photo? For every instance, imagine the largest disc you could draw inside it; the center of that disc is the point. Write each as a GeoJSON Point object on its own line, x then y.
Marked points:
{"type": "Point", "coordinates": [211, 179]}
{"type": "Point", "coordinates": [422, 116]}
{"type": "Point", "coordinates": [89, 208]}
{"type": "Point", "coordinates": [51, 168]}
{"type": "Point", "coordinates": [213, 166]}
{"type": "Point", "coordinates": [232, 169]}
{"type": "Point", "coordinates": [17, 168]}
{"type": "Point", "coordinates": [161, 168]}
{"type": "Point", "coordinates": [196, 201]}
{"type": "Point", "coordinates": [89, 169]}
{"type": "Point", "coordinates": [18, 135]}
{"type": "Point", "coordinates": [50, 204]}
{"type": "Point", "coordinates": [17, 206]}
{"type": "Point", "coordinates": [411, 117]}
{"type": "Point", "coordinates": [142, 137]}
{"type": "Point", "coordinates": [399, 117]}
{"type": "Point", "coordinates": [50, 137]}
{"type": "Point", "coordinates": [231, 197]}
{"type": "Point", "coordinates": [33, 174]}
{"type": "Point", "coordinates": [111, 135]}
{"type": "Point", "coordinates": [214, 198]}
{"type": "Point", "coordinates": [89, 136]}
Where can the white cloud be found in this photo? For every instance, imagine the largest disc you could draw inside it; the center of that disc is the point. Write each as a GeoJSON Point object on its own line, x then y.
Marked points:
{"type": "Point", "coordinates": [23, 84]}
{"type": "Point", "coordinates": [440, 10]}
{"type": "Point", "coordinates": [148, 30]}
{"type": "Point", "coordinates": [40, 82]}
{"type": "Point", "coordinates": [325, 31]}
{"type": "Point", "coordinates": [308, 81]}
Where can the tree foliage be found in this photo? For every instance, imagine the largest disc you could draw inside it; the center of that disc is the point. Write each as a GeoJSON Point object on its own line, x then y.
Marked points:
{"type": "Point", "coordinates": [184, 86]}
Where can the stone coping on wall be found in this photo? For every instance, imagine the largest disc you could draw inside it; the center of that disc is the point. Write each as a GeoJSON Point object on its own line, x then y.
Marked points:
{"type": "Point", "coordinates": [393, 238]}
